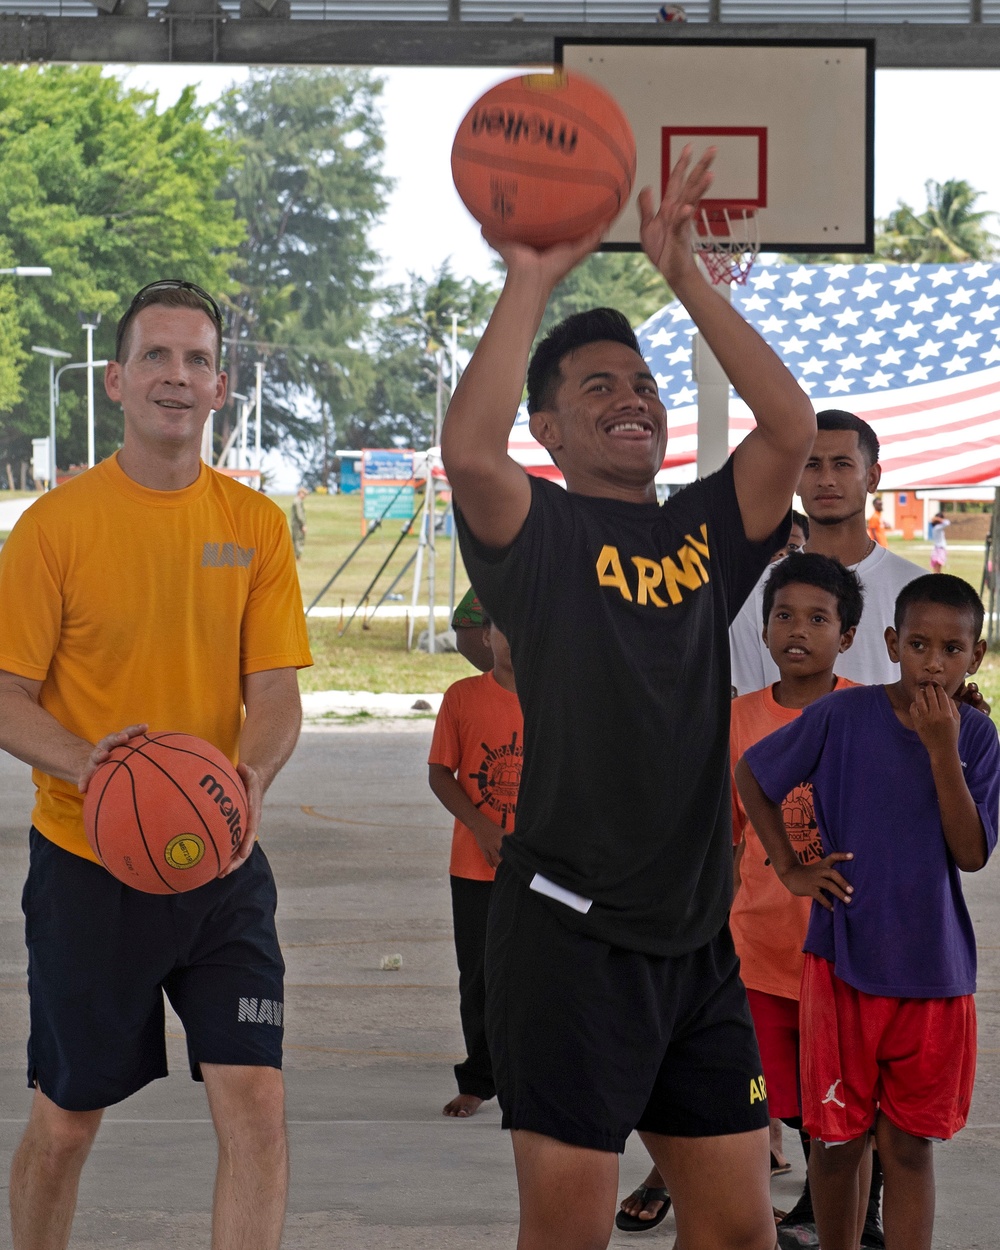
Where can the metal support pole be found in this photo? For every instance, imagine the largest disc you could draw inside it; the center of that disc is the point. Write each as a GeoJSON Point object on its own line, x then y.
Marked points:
{"type": "Point", "coordinates": [713, 403]}
{"type": "Point", "coordinates": [90, 395]}
{"type": "Point", "coordinates": [52, 425]}
{"type": "Point", "coordinates": [259, 369]}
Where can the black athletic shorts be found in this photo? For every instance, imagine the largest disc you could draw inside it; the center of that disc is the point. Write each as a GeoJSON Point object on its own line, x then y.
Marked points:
{"type": "Point", "coordinates": [590, 1041]}
{"type": "Point", "coordinates": [101, 955]}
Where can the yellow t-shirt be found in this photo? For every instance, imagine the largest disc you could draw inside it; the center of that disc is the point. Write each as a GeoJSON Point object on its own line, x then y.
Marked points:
{"type": "Point", "coordinates": [133, 605]}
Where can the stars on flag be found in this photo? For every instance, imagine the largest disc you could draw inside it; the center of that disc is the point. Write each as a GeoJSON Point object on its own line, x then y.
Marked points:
{"type": "Point", "coordinates": [852, 330]}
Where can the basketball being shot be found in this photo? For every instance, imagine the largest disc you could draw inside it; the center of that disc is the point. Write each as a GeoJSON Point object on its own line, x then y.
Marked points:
{"type": "Point", "coordinates": [544, 159]}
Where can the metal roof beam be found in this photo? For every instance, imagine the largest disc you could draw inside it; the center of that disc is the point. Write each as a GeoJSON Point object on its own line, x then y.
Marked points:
{"type": "Point", "coordinates": [213, 37]}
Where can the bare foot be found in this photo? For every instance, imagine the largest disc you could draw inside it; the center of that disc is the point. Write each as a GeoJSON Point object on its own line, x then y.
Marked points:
{"type": "Point", "coordinates": [462, 1106]}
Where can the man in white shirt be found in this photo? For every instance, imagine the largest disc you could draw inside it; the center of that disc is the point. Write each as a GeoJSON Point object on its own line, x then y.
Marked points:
{"type": "Point", "coordinates": [841, 473]}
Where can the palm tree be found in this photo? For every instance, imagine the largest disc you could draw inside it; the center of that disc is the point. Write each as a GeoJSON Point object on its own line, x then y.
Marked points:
{"type": "Point", "coordinates": [948, 230]}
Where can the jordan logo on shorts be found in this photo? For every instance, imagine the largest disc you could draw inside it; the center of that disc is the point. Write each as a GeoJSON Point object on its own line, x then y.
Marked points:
{"type": "Point", "coordinates": [261, 1011]}
{"type": "Point", "coordinates": [831, 1095]}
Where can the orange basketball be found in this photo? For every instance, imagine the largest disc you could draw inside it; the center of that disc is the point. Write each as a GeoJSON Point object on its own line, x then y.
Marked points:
{"type": "Point", "coordinates": [544, 158]}
{"type": "Point", "coordinates": [165, 812]}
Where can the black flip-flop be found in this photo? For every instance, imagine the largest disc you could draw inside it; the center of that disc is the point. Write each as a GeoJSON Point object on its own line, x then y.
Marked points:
{"type": "Point", "coordinates": [646, 1194]}
{"type": "Point", "coordinates": [779, 1169]}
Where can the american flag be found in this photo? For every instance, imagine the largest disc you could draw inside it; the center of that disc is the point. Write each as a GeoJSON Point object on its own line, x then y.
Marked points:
{"type": "Point", "coordinates": [914, 349]}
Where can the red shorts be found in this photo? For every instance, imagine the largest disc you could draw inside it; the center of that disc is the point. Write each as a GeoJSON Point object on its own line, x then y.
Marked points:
{"type": "Point", "coordinates": [913, 1059]}
{"type": "Point", "coordinates": [776, 1023]}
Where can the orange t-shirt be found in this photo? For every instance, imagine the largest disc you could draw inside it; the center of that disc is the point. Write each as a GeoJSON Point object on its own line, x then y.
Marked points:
{"type": "Point", "coordinates": [767, 922]}
{"type": "Point", "coordinates": [478, 736]}
{"type": "Point", "coordinates": [876, 529]}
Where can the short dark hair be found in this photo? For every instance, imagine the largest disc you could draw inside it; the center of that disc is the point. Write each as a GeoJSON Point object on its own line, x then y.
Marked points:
{"type": "Point", "coordinates": [599, 325]}
{"type": "Point", "coordinates": [171, 297]}
{"type": "Point", "coordinates": [837, 419]}
{"type": "Point", "coordinates": [943, 588]}
{"type": "Point", "coordinates": [804, 568]}
{"type": "Point", "coordinates": [802, 521]}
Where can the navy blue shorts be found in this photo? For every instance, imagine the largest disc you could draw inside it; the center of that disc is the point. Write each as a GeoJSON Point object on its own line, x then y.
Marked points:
{"type": "Point", "coordinates": [590, 1041]}
{"type": "Point", "coordinates": [101, 955]}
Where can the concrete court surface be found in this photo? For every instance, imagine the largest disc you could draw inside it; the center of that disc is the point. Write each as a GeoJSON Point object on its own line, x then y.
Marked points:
{"type": "Point", "coordinates": [360, 851]}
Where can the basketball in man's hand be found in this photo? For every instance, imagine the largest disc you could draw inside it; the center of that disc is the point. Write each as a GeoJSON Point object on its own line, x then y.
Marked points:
{"type": "Point", "coordinates": [544, 159]}
{"type": "Point", "coordinates": [165, 812]}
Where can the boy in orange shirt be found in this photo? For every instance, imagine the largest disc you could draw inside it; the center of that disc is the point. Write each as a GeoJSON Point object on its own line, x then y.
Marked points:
{"type": "Point", "coordinates": [812, 606]}
{"type": "Point", "coordinates": [474, 768]}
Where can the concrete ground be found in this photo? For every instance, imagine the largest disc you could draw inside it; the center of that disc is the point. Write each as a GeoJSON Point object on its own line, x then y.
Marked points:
{"type": "Point", "coordinates": [360, 851]}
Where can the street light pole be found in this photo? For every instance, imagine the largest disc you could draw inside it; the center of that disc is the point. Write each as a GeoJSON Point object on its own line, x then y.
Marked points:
{"type": "Point", "coordinates": [53, 355]}
{"type": "Point", "coordinates": [29, 271]}
{"type": "Point", "coordinates": [90, 324]}
{"type": "Point", "coordinates": [79, 364]}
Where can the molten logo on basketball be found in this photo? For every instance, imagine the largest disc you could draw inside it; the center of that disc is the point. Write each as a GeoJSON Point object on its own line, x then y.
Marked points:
{"type": "Point", "coordinates": [184, 851]}
{"type": "Point", "coordinates": [227, 806]}
{"type": "Point", "coordinates": [515, 126]}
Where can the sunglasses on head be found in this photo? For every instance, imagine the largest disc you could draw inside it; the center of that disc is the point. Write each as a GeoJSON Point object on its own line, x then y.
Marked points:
{"type": "Point", "coordinates": [142, 298]}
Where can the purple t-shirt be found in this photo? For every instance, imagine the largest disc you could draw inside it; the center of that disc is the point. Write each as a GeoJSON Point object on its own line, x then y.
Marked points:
{"type": "Point", "coordinates": [907, 932]}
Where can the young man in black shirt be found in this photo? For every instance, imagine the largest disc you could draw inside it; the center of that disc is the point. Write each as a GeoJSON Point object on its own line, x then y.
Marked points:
{"type": "Point", "coordinates": [614, 1000]}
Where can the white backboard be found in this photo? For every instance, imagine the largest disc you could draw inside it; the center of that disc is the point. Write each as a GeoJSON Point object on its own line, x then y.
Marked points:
{"type": "Point", "coordinates": [793, 122]}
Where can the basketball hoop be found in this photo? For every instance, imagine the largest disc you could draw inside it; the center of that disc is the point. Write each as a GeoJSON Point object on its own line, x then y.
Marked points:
{"type": "Point", "coordinates": [727, 241]}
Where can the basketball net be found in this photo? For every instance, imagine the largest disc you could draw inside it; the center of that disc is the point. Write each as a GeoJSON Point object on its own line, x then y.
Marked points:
{"type": "Point", "coordinates": [727, 242]}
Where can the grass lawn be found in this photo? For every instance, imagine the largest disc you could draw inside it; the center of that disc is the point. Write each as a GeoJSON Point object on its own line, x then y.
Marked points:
{"type": "Point", "coordinates": [376, 658]}
{"type": "Point", "coordinates": [373, 658]}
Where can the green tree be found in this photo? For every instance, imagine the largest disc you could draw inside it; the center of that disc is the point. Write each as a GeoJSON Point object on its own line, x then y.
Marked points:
{"type": "Point", "coordinates": [111, 194]}
{"type": "Point", "coordinates": [623, 280]}
{"type": "Point", "coordinates": [310, 187]}
{"type": "Point", "coordinates": [949, 230]}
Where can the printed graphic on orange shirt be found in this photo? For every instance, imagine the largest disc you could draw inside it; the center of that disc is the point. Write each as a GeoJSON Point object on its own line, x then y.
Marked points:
{"type": "Point", "coordinates": [499, 778]}
{"type": "Point", "coordinates": [800, 824]}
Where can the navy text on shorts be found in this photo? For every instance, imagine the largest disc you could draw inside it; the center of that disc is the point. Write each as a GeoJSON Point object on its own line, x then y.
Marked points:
{"type": "Point", "coordinates": [101, 955]}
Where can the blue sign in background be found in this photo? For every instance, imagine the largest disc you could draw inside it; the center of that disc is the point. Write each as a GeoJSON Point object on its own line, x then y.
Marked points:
{"type": "Point", "coordinates": [398, 499]}
{"type": "Point", "coordinates": [350, 478]}
{"type": "Point", "coordinates": [385, 465]}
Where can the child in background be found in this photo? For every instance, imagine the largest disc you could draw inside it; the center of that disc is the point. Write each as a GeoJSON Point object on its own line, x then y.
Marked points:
{"type": "Point", "coordinates": [906, 786]}
{"type": "Point", "coordinates": [467, 622]}
{"type": "Point", "coordinates": [474, 769]}
{"type": "Point", "coordinates": [812, 606]}
{"type": "Point", "coordinates": [939, 545]}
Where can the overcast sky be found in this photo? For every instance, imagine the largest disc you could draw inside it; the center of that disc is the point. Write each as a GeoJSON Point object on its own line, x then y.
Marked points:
{"type": "Point", "coordinates": [928, 124]}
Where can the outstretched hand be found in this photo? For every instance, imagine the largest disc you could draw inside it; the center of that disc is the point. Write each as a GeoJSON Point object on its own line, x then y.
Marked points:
{"type": "Point", "coordinates": [820, 879]}
{"type": "Point", "coordinates": [666, 231]}
{"type": "Point", "coordinates": [550, 264]}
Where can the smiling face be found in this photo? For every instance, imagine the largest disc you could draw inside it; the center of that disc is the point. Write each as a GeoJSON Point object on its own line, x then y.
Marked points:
{"type": "Point", "coordinates": [936, 645]}
{"type": "Point", "coordinates": [169, 382]}
{"type": "Point", "coordinates": [606, 424]}
{"type": "Point", "coordinates": [803, 631]}
{"type": "Point", "coordinates": [837, 479]}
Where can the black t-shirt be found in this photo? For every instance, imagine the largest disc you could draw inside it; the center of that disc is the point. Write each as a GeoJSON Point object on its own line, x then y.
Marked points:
{"type": "Point", "coordinates": [617, 616]}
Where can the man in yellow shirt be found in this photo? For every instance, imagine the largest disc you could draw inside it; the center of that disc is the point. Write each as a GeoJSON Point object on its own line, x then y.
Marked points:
{"type": "Point", "coordinates": [151, 591]}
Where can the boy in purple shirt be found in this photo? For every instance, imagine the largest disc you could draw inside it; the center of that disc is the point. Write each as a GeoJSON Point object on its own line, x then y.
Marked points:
{"type": "Point", "coordinates": [906, 786]}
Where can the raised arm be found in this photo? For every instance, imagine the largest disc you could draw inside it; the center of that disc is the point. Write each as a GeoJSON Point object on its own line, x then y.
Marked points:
{"type": "Point", "coordinates": [491, 490]}
{"type": "Point", "coordinates": [768, 463]}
